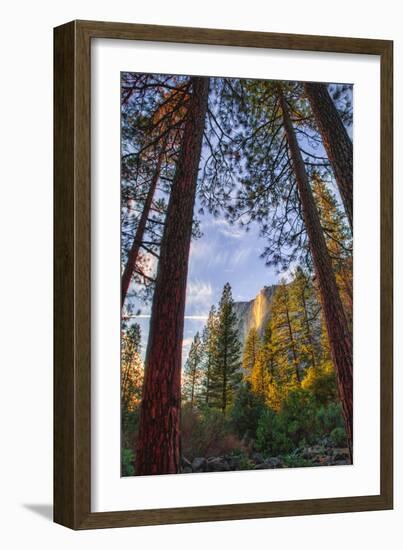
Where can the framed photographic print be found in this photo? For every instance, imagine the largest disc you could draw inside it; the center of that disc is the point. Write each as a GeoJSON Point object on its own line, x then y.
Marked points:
{"type": "Point", "coordinates": [223, 275]}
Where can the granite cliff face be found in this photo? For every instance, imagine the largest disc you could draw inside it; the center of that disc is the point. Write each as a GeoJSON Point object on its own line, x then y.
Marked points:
{"type": "Point", "coordinates": [255, 313]}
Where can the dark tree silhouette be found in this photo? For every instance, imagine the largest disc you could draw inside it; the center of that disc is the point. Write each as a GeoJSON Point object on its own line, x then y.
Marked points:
{"type": "Point", "coordinates": [141, 228]}
{"type": "Point", "coordinates": [152, 121]}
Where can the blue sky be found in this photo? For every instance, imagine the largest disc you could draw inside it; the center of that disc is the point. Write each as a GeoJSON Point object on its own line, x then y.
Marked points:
{"type": "Point", "coordinates": [223, 253]}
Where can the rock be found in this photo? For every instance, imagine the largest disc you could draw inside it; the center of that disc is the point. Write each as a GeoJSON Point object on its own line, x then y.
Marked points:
{"type": "Point", "coordinates": [262, 466]}
{"type": "Point", "coordinates": [187, 470]}
{"type": "Point", "coordinates": [185, 463]}
{"type": "Point", "coordinates": [320, 460]}
{"type": "Point", "coordinates": [274, 462]}
{"type": "Point", "coordinates": [199, 464]}
{"type": "Point", "coordinates": [234, 462]}
{"type": "Point", "coordinates": [341, 454]}
{"type": "Point", "coordinates": [217, 464]}
{"type": "Point", "coordinates": [318, 454]}
{"type": "Point", "coordinates": [257, 458]}
{"type": "Point", "coordinates": [307, 453]}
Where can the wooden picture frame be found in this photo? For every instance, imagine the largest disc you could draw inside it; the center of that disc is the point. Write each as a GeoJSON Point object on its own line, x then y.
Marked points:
{"type": "Point", "coordinates": [72, 269]}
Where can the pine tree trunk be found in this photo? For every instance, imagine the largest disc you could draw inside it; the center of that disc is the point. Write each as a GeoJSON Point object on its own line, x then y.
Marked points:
{"type": "Point", "coordinates": [192, 393]}
{"type": "Point", "coordinates": [208, 381]}
{"type": "Point", "coordinates": [308, 329]}
{"type": "Point", "coordinates": [224, 382]}
{"type": "Point", "coordinates": [336, 324]}
{"type": "Point", "coordinates": [294, 353]}
{"type": "Point", "coordinates": [336, 141]}
{"type": "Point", "coordinates": [158, 444]}
{"type": "Point", "coordinates": [138, 239]}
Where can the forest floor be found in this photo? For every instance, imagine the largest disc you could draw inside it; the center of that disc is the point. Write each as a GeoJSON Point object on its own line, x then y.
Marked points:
{"type": "Point", "coordinates": [316, 455]}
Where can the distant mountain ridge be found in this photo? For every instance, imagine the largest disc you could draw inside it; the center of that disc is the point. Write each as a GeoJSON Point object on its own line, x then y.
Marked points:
{"type": "Point", "coordinates": [255, 313]}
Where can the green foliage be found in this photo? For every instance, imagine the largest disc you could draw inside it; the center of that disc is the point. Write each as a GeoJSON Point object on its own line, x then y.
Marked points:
{"type": "Point", "coordinates": [225, 376]}
{"type": "Point", "coordinates": [301, 421]}
{"type": "Point", "coordinates": [127, 462]}
{"type": "Point", "coordinates": [131, 386]}
{"type": "Point", "coordinates": [130, 423]}
{"type": "Point", "coordinates": [294, 461]}
{"type": "Point", "coordinates": [269, 439]}
{"type": "Point", "coordinates": [209, 346]}
{"type": "Point", "coordinates": [321, 382]}
{"type": "Point", "coordinates": [330, 417]}
{"type": "Point", "coordinates": [338, 437]}
{"type": "Point", "coordinates": [246, 411]}
{"type": "Point", "coordinates": [192, 373]}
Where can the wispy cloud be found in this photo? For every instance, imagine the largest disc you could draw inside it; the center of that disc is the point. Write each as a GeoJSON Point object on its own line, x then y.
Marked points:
{"type": "Point", "coordinates": [199, 297]}
{"type": "Point", "coordinates": [240, 256]}
{"type": "Point", "coordinates": [227, 229]}
{"type": "Point", "coordinates": [199, 248]}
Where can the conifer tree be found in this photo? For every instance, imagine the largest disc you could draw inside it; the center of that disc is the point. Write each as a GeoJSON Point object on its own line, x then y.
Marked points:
{"type": "Point", "coordinates": [338, 241]}
{"type": "Point", "coordinates": [266, 377]}
{"type": "Point", "coordinates": [209, 351]}
{"type": "Point", "coordinates": [225, 375]}
{"type": "Point", "coordinates": [307, 321]}
{"type": "Point", "coordinates": [193, 371]}
{"type": "Point", "coordinates": [262, 367]}
{"type": "Point", "coordinates": [250, 352]}
{"type": "Point", "coordinates": [285, 348]}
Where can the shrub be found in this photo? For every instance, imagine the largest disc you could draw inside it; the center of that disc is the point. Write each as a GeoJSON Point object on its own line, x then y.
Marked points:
{"type": "Point", "coordinates": [330, 417]}
{"type": "Point", "coordinates": [127, 462]}
{"type": "Point", "coordinates": [321, 382]}
{"type": "Point", "coordinates": [269, 438]}
{"type": "Point", "coordinates": [338, 437]}
{"type": "Point", "coordinates": [246, 411]}
{"type": "Point", "coordinates": [294, 461]}
{"type": "Point", "coordinates": [296, 424]}
{"type": "Point", "coordinates": [130, 423]}
{"type": "Point", "coordinates": [206, 432]}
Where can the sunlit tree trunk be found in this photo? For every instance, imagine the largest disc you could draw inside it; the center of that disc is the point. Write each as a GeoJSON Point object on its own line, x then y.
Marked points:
{"type": "Point", "coordinates": [291, 336]}
{"type": "Point", "coordinates": [340, 337]}
{"type": "Point", "coordinates": [308, 328]}
{"type": "Point", "coordinates": [336, 141]}
{"type": "Point", "coordinates": [158, 444]}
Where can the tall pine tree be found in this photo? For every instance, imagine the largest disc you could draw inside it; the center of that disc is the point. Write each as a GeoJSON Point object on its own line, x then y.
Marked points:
{"type": "Point", "coordinates": [250, 352]}
{"type": "Point", "coordinates": [209, 349]}
{"type": "Point", "coordinates": [226, 375]}
{"type": "Point", "coordinates": [192, 374]}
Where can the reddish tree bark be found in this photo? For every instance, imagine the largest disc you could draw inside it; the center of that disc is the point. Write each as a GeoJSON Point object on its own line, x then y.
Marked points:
{"type": "Point", "coordinates": [158, 443]}
{"type": "Point", "coordinates": [340, 337]}
{"type": "Point", "coordinates": [336, 141]}
{"type": "Point", "coordinates": [138, 239]}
